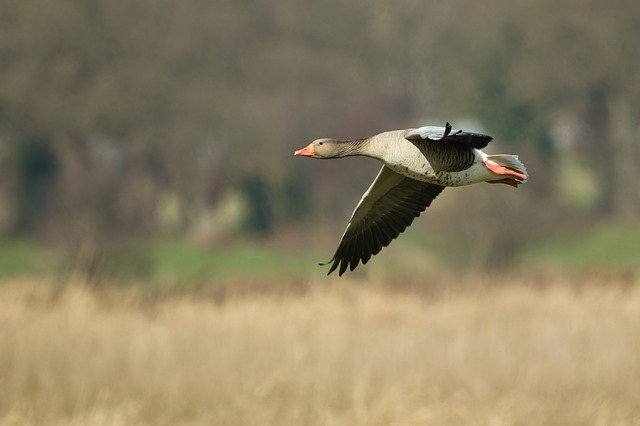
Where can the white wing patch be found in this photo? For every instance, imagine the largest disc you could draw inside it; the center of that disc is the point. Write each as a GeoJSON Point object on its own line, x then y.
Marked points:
{"type": "Point", "coordinates": [434, 133]}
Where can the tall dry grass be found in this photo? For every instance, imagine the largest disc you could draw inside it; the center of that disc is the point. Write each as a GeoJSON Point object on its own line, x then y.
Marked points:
{"type": "Point", "coordinates": [345, 355]}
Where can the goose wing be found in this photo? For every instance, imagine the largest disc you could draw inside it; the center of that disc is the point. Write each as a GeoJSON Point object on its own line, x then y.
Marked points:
{"type": "Point", "coordinates": [384, 211]}
{"type": "Point", "coordinates": [446, 134]}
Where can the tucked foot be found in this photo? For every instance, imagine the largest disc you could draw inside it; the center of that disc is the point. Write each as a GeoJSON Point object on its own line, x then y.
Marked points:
{"type": "Point", "coordinates": [512, 182]}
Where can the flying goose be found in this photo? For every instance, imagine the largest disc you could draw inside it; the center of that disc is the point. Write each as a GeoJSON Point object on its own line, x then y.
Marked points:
{"type": "Point", "coordinates": [418, 165]}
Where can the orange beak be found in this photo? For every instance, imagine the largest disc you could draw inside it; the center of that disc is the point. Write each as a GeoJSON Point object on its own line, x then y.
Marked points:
{"type": "Point", "coordinates": [307, 151]}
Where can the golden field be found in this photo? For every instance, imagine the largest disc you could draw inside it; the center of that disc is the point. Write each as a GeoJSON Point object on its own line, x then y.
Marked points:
{"type": "Point", "coordinates": [338, 354]}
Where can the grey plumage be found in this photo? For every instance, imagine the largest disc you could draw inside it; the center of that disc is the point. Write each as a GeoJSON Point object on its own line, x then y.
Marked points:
{"type": "Point", "coordinates": [418, 165]}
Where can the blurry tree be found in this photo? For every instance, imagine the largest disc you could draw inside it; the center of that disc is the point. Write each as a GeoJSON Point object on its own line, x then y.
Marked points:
{"type": "Point", "coordinates": [148, 101]}
{"type": "Point", "coordinates": [37, 166]}
{"type": "Point", "coordinates": [259, 218]}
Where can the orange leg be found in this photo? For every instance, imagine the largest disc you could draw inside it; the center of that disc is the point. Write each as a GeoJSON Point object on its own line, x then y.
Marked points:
{"type": "Point", "coordinates": [500, 170]}
{"type": "Point", "coordinates": [512, 182]}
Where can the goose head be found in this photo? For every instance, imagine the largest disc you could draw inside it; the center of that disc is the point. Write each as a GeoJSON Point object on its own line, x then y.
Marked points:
{"type": "Point", "coordinates": [330, 148]}
{"type": "Point", "coordinates": [319, 148]}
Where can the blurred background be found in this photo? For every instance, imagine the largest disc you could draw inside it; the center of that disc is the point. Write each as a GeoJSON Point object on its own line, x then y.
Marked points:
{"type": "Point", "coordinates": [152, 137]}
{"type": "Point", "coordinates": [159, 241]}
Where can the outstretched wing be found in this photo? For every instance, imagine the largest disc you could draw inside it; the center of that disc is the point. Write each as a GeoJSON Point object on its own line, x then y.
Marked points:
{"type": "Point", "coordinates": [385, 210]}
{"type": "Point", "coordinates": [446, 134]}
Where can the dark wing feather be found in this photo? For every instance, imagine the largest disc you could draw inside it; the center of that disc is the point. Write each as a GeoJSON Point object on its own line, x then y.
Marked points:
{"type": "Point", "coordinates": [385, 210]}
{"type": "Point", "coordinates": [446, 134]}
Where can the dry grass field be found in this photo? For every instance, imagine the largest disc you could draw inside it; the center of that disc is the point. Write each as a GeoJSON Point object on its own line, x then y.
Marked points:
{"type": "Point", "coordinates": [513, 354]}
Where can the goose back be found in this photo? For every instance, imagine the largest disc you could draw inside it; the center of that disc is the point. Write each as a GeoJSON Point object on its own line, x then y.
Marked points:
{"type": "Point", "coordinates": [446, 156]}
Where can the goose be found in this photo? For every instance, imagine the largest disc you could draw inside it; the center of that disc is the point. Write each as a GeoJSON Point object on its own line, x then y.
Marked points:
{"type": "Point", "coordinates": [417, 165]}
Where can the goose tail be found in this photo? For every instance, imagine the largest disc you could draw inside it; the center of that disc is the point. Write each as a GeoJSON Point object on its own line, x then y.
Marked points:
{"type": "Point", "coordinates": [509, 166]}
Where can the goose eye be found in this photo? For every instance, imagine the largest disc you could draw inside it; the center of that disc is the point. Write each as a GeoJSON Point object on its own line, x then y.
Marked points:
{"type": "Point", "coordinates": [320, 143]}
